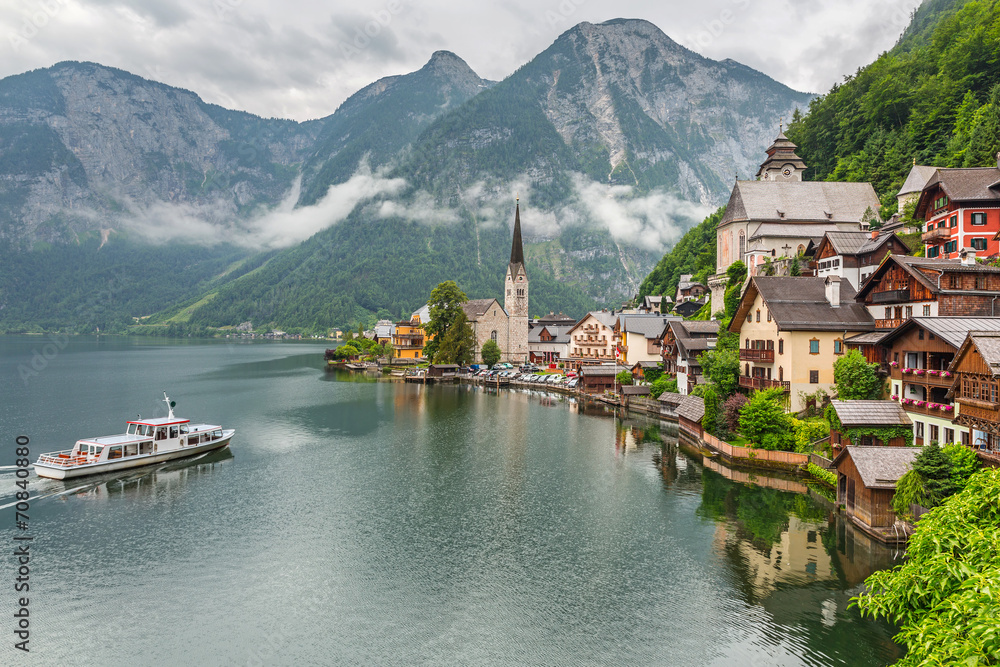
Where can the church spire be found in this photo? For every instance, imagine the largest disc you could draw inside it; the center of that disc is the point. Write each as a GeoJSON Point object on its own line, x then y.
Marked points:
{"type": "Point", "coordinates": [516, 249]}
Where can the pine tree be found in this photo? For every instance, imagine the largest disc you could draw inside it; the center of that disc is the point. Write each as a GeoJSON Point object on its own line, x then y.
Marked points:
{"type": "Point", "coordinates": [934, 467]}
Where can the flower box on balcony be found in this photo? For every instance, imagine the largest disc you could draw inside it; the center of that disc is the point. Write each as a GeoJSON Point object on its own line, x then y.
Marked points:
{"type": "Point", "coordinates": [945, 374]}
{"type": "Point", "coordinates": [921, 404]}
{"type": "Point", "coordinates": [907, 401]}
{"type": "Point", "coordinates": [894, 397]}
{"type": "Point", "coordinates": [933, 373]}
{"type": "Point", "coordinates": [948, 408]}
{"type": "Point", "coordinates": [933, 406]}
{"type": "Point", "coordinates": [919, 371]}
{"type": "Point", "coordinates": [907, 370]}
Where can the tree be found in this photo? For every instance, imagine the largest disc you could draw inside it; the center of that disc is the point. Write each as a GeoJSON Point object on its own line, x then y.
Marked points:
{"type": "Point", "coordinates": [490, 353]}
{"type": "Point", "coordinates": [722, 368]}
{"type": "Point", "coordinates": [795, 269]}
{"type": "Point", "coordinates": [934, 468]}
{"type": "Point", "coordinates": [624, 378]}
{"type": "Point", "coordinates": [763, 421]}
{"type": "Point", "coordinates": [458, 345]}
{"type": "Point", "coordinates": [856, 379]}
{"type": "Point", "coordinates": [735, 274]}
{"type": "Point", "coordinates": [651, 375]}
{"type": "Point", "coordinates": [445, 305]}
{"type": "Point", "coordinates": [731, 408]}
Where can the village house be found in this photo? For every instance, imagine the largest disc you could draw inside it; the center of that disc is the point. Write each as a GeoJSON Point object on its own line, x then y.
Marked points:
{"type": "Point", "coordinates": [903, 287]}
{"type": "Point", "coordinates": [866, 419]}
{"type": "Point", "coordinates": [548, 344]}
{"type": "Point", "coordinates": [976, 388]}
{"type": "Point", "coordinates": [689, 308]}
{"type": "Point", "coordinates": [854, 255]}
{"type": "Point", "coordinates": [408, 336]}
{"type": "Point", "coordinates": [961, 209]}
{"type": "Point", "coordinates": [683, 341]}
{"type": "Point", "coordinates": [383, 331]}
{"type": "Point", "coordinates": [559, 320]}
{"type": "Point", "coordinates": [639, 337]}
{"type": "Point", "coordinates": [639, 368]}
{"type": "Point", "coordinates": [689, 290]}
{"type": "Point", "coordinates": [598, 379]}
{"type": "Point", "coordinates": [592, 338]}
{"type": "Point", "coordinates": [781, 214]}
{"type": "Point", "coordinates": [866, 484]}
{"type": "Point", "coordinates": [791, 331]}
{"type": "Point", "coordinates": [654, 304]}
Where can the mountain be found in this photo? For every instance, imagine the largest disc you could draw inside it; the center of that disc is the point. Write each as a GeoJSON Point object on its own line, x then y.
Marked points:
{"type": "Point", "coordinates": [934, 98]}
{"type": "Point", "coordinates": [617, 139]}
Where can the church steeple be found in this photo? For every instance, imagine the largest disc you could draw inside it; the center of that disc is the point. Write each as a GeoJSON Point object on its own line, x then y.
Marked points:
{"type": "Point", "coordinates": [782, 164]}
{"type": "Point", "coordinates": [516, 249]}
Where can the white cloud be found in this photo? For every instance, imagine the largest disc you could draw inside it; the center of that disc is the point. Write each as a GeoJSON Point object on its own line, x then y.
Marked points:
{"type": "Point", "coordinates": [279, 227]}
{"type": "Point", "coordinates": [422, 208]}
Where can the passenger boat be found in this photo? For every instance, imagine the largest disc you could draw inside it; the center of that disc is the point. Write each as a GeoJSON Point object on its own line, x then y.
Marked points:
{"type": "Point", "coordinates": [145, 442]}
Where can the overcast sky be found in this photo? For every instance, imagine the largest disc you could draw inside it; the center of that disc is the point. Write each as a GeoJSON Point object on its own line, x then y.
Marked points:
{"type": "Point", "coordinates": [301, 58]}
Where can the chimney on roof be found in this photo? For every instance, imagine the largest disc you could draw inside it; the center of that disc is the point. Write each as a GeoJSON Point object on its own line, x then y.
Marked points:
{"type": "Point", "coordinates": [874, 234]}
{"type": "Point", "coordinates": [968, 256]}
{"type": "Point", "coordinates": [833, 291]}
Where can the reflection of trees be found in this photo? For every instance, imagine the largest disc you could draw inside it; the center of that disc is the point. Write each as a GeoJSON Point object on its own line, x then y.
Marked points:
{"type": "Point", "coordinates": [665, 461]}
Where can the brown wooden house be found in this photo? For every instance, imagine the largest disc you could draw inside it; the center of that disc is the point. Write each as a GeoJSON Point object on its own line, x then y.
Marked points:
{"type": "Point", "coordinates": [903, 287]}
{"type": "Point", "coordinates": [689, 412]}
{"type": "Point", "coordinates": [596, 379]}
{"type": "Point", "coordinates": [855, 255]}
{"type": "Point", "coordinates": [976, 389]}
{"type": "Point", "coordinates": [866, 484]}
{"type": "Point", "coordinates": [867, 418]}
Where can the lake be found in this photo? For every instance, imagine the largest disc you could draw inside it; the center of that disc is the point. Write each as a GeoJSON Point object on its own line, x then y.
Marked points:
{"type": "Point", "coordinates": [361, 522]}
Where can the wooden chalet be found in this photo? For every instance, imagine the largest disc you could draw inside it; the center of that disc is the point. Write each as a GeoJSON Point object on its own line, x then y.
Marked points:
{"type": "Point", "coordinates": [690, 411]}
{"type": "Point", "coordinates": [854, 255]}
{"type": "Point", "coordinates": [976, 389]}
{"type": "Point", "coordinates": [596, 379]}
{"type": "Point", "coordinates": [903, 287]}
{"type": "Point", "coordinates": [868, 417]}
{"type": "Point", "coordinates": [866, 484]}
{"type": "Point", "coordinates": [442, 371]}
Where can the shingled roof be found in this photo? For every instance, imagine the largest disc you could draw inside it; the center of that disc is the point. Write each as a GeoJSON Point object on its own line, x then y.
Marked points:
{"type": "Point", "coordinates": [560, 334]}
{"type": "Point", "coordinates": [856, 243]}
{"type": "Point", "coordinates": [870, 413]}
{"type": "Point", "coordinates": [800, 201]}
{"type": "Point", "coordinates": [927, 270]}
{"type": "Point", "coordinates": [650, 326]}
{"type": "Point", "coordinates": [988, 345]}
{"type": "Point", "coordinates": [799, 304]}
{"type": "Point", "coordinates": [810, 230]}
{"type": "Point", "coordinates": [601, 371]}
{"type": "Point", "coordinates": [952, 330]}
{"type": "Point", "coordinates": [476, 308]}
{"type": "Point", "coordinates": [691, 408]}
{"type": "Point", "coordinates": [916, 179]}
{"type": "Point", "coordinates": [880, 467]}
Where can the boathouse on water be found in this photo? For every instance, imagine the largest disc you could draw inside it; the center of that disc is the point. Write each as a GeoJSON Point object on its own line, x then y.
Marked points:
{"type": "Point", "coordinates": [866, 484]}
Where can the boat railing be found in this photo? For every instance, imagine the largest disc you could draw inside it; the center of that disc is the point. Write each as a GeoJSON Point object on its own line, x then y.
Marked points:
{"type": "Point", "coordinates": [66, 457]}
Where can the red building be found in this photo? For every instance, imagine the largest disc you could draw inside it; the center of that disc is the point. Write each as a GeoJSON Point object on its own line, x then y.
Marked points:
{"type": "Point", "coordinates": [961, 209]}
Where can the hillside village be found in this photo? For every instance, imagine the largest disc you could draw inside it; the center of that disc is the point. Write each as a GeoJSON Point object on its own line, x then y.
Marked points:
{"type": "Point", "coordinates": [809, 284]}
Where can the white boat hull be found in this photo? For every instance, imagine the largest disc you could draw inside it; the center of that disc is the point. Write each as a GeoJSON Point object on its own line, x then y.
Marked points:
{"type": "Point", "coordinates": [70, 471]}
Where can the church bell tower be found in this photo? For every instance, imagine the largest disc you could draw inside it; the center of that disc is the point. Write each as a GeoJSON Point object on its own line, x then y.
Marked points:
{"type": "Point", "coordinates": [516, 296]}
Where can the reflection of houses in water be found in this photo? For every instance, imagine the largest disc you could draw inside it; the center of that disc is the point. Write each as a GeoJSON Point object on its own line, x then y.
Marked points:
{"type": "Point", "coordinates": [798, 557]}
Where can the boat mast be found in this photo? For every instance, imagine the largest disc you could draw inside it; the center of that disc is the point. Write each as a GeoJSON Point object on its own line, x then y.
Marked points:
{"type": "Point", "coordinates": [170, 406]}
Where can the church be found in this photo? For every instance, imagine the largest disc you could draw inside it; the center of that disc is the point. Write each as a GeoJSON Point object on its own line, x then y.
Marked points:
{"type": "Point", "coordinates": [777, 215]}
{"type": "Point", "coordinates": [506, 324]}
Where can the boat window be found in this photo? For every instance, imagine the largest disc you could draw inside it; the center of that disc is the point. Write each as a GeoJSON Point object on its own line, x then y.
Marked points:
{"type": "Point", "coordinates": [131, 429]}
{"type": "Point", "coordinates": [115, 452]}
{"type": "Point", "coordinates": [161, 434]}
{"type": "Point", "coordinates": [184, 429]}
{"type": "Point", "coordinates": [217, 434]}
{"type": "Point", "coordinates": [96, 450]}
{"type": "Point", "coordinates": [142, 430]}
{"type": "Point", "coordinates": [173, 431]}
{"type": "Point", "coordinates": [146, 447]}
{"type": "Point", "coordinates": [84, 449]}
{"type": "Point", "coordinates": [132, 450]}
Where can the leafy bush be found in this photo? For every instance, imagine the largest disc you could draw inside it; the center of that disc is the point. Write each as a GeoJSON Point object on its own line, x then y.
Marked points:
{"type": "Point", "coordinates": [661, 385]}
{"type": "Point", "coordinates": [856, 379]}
{"type": "Point", "coordinates": [964, 464]}
{"type": "Point", "coordinates": [822, 475]}
{"type": "Point", "coordinates": [808, 432]}
{"type": "Point", "coordinates": [909, 491]}
{"type": "Point", "coordinates": [763, 421]}
{"type": "Point", "coordinates": [624, 378]}
{"type": "Point", "coordinates": [944, 596]}
{"type": "Point", "coordinates": [731, 408]}
{"type": "Point", "coordinates": [935, 469]}
{"type": "Point", "coordinates": [651, 375]}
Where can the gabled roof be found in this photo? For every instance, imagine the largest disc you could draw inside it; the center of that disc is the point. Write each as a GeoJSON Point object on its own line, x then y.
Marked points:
{"type": "Point", "coordinates": [926, 270]}
{"type": "Point", "coordinates": [601, 371]}
{"type": "Point", "coordinates": [635, 390]}
{"type": "Point", "coordinates": [880, 467]}
{"type": "Point", "coordinates": [855, 243]}
{"type": "Point", "coordinates": [476, 308]}
{"type": "Point", "coordinates": [646, 364]}
{"type": "Point", "coordinates": [691, 408]}
{"type": "Point", "coordinates": [916, 179]}
{"type": "Point", "coordinates": [424, 313]}
{"type": "Point", "coordinates": [650, 326]}
{"type": "Point", "coordinates": [800, 201]}
{"type": "Point", "coordinates": [799, 304]}
{"type": "Point", "coordinates": [810, 230]}
{"type": "Point", "coordinates": [952, 330]}
{"type": "Point", "coordinates": [688, 328]}
{"type": "Point", "coordinates": [692, 347]}
{"type": "Point", "coordinates": [961, 185]}
{"type": "Point", "coordinates": [671, 398]}
{"type": "Point", "coordinates": [560, 334]}
{"type": "Point", "coordinates": [870, 413]}
{"type": "Point", "coordinates": [988, 345]}
{"type": "Point", "coordinates": [869, 337]}
{"type": "Point", "coordinates": [607, 318]}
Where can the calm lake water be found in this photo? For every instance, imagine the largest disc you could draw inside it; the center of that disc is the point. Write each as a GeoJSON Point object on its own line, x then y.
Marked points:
{"type": "Point", "coordinates": [373, 523]}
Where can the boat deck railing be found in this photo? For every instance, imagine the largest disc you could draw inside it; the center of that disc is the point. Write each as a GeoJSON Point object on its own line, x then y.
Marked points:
{"type": "Point", "coordinates": [66, 457]}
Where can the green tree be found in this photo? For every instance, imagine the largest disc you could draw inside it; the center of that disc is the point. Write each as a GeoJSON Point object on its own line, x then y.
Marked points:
{"type": "Point", "coordinates": [661, 385]}
{"type": "Point", "coordinates": [795, 269]}
{"type": "Point", "coordinates": [856, 379]}
{"type": "Point", "coordinates": [651, 375]}
{"type": "Point", "coordinates": [909, 491]}
{"type": "Point", "coordinates": [764, 422]}
{"type": "Point", "coordinates": [490, 353]}
{"type": "Point", "coordinates": [943, 596]}
{"type": "Point", "coordinates": [445, 305]}
{"type": "Point", "coordinates": [722, 368]}
{"type": "Point", "coordinates": [709, 394]}
{"type": "Point", "coordinates": [964, 463]}
{"type": "Point", "coordinates": [458, 345]}
{"type": "Point", "coordinates": [934, 468]}
{"type": "Point", "coordinates": [624, 378]}
{"type": "Point", "coordinates": [736, 274]}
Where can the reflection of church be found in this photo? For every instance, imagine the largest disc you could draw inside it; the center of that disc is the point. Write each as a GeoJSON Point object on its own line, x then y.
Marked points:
{"type": "Point", "coordinates": [507, 325]}
{"type": "Point", "coordinates": [778, 214]}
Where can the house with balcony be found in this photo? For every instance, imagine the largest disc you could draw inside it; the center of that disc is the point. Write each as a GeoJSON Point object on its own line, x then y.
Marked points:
{"type": "Point", "coordinates": [548, 344]}
{"type": "Point", "coordinates": [916, 358]}
{"type": "Point", "coordinates": [591, 339]}
{"type": "Point", "coordinates": [791, 331]}
{"type": "Point", "coordinates": [408, 337]}
{"type": "Point", "coordinates": [683, 341]}
{"type": "Point", "coordinates": [976, 390]}
{"type": "Point", "coordinates": [688, 289]}
{"type": "Point", "coordinates": [960, 209]}
{"type": "Point", "coordinates": [903, 287]}
{"type": "Point", "coordinates": [854, 255]}
{"type": "Point", "coordinates": [639, 337]}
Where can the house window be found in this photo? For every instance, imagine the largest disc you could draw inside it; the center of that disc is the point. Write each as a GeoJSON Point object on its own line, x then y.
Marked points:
{"type": "Point", "coordinates": [781, 346]}
{"type": "Point", "coordinates": [748, 343]}
{"type": "Point", "coordinates": [979, 243]}
{"type": "Point", "coordinates": [918, 427]}
{"type": "Point", "coordinates": [941, 202]}
{"type": "Point", "coordinates": [749, 317]}
{"type": "Point", "coordinates": [920, 334]}
{"type": "Point", "coordinates": [909, 312]}
{"type": "Point", "coordinates": [949, 435]}
{"type": "Point", "coordinates": [951, 246]}
{"type": "Point", "coordinates": [953, 221]}
{"type": "Point", "coordinates": [814, 346]}
{"type": "Point", "coordinates": [888, 312]}
{"type": "Point", "coordinates": [965, 438]}
{"type": "Point", "coordinates": [838, 346]}
{"type": "Point", "coordinates": [954, 281]}
{"type": "Point", "coordinates": [978, 219]}
{"type": "Point", "coordinates": [769, 315]}
{"type": "Point", "coordinates": [980, 282]}
{"type": "Point", "coordinates": [934, 432]}
{"type": "Point", "coordinates": [941, 224]}
{"type": "Point", "coordinates": [781, 374]}
{"type": "Point", "coordinates": [927, 310]}
{"type": "Point", "coordinates": [895, 390]}
{"type": "Point", "coordinates": [932, 251]}
{"type": "Point", "coordinates": [494, 336]}
{"type": "Point", "coordinates": [813, 377]}
{"type": "Point", "coordinates": [758, 314]}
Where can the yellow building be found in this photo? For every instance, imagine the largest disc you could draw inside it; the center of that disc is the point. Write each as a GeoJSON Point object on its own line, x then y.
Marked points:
{"type": "Point", "coordinates": [408, 337]}
{"type": "Point", "coordinates": [791, 331]}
